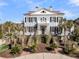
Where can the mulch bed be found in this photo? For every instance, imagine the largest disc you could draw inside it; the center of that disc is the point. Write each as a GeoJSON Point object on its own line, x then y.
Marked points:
{"type": "Point", "coordinates": [41, 47]}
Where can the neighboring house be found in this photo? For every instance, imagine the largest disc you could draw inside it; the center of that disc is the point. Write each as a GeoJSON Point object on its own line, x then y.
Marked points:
{"type": "Point", "coordinates": [43, 21]}
{"type": "Point", "coordinates": [77, 21]}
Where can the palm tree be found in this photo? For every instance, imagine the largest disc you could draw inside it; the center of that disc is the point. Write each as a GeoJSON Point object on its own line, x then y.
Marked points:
{"type": "Point", "coordinates": [32, 40]}
{"type": "Point", "coordinates": [10, 32]}
{"type": "Point", "coordinates": [75, 34]}
{"type": "Point", "coordinates": [22, 34]}
{"type": "Point", "coordinates": [19, 31]}
{"type": "Point", "coordinates": [34, 36]}
{"type": "Point", "coordinates": [1, 31]}
{"type": "Point", "coordinates": [66, 26]}
{"type": "Point", "coordinates": [8, 26]}
{"type": "Point", "coordinates": [49, 39]}
{"type": "Point", "coordinates": [63, 25]}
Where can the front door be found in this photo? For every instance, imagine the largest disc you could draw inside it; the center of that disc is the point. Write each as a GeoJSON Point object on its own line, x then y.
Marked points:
{"type": "Point", "coordinates": [43, 28]}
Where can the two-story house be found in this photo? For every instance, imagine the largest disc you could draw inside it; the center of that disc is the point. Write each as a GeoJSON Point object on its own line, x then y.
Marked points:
{"type": "Point", "coordinates": [43, 21]}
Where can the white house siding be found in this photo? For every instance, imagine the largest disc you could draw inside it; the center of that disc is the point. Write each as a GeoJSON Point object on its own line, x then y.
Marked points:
{"type": "Point", "coordinates": [43, 19]}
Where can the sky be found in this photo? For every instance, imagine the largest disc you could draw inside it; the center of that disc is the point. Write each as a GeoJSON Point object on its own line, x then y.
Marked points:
{"type": "Point", "coordinates": [13, 10]}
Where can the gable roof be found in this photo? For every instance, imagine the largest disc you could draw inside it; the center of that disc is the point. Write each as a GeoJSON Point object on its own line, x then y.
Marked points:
{"type": "Point", "coordinates": [32, 12]}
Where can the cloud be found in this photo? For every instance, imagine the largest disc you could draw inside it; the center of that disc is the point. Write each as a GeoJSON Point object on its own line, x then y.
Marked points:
{"type": "Point", "coordinates": [3, 3]}
{"type": "Point", "coordinates": [34, 3]}
{"type": "Point", "coordinates": [68, 14]}
{"type": "Point", "coordinates": [74, 2]}
{"type": "Point", "coordinates": [31, 4]}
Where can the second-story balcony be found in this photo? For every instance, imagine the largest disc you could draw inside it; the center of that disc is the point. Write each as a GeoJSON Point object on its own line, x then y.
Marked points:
{"type": "Point", "coordinates": [53, 24]}
{"type": "Point", "coordinates": [30, 24]}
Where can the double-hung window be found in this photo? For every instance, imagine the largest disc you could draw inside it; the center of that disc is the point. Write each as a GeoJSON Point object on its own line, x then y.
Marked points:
{"type": "Point", "coordinates": [52, 19]}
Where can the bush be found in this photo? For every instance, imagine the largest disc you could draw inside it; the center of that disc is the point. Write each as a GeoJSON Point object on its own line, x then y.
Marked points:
{"type": "Point", "coordinates": [15, 50]}
{"type": "Point", "coordinates": [1, 34]}
{"type": "Point", "coordinates": [44, 39]}
{"type": "Point", "coordinates": [68, 50]}
{"type": "Point", "coordinates": [53, 46]}
{"type": "Point", "coordinates": [33, 48]}
{"type": "Point", "coordinates": [3, 48]}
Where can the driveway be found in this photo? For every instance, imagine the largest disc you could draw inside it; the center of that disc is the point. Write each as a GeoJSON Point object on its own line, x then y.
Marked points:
{"type": "Point", "coordinates": [43, 56]}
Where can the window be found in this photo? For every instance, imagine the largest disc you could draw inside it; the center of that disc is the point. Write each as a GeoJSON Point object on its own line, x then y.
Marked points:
{"type": "Point", "coordinates": [57, 19]}
{"type": "Point", "coordinates": [25, 19]}
{"type": "Point", "coordinates": [52, 29]}
{"type": "Point", "coordinates": [30, 19]}
{"type": "Point", "coordinates": [30, 29]}
{"type": "Point", "coordinates": [43, 19]}
{"type": "Point", "coordinates": [56, 30]}
{"type": "Point", "coordinates": [35, 19]}
{"type": "Point", "coordinates": [52, 19]}
{"type": "Point", "coordinates": [59, 30]}
{"type": "Point", "coordinates": [43, 12]}
{"type": "Point", "coordinates": [60, 19]}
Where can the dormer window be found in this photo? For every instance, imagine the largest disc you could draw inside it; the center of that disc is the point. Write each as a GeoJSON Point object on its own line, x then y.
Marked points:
{"type": "Point", "coordinates": [43, 12]}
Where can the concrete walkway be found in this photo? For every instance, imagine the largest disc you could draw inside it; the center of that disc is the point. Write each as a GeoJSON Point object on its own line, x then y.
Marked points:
{"type": "Point", "coordinates": [42, 56]}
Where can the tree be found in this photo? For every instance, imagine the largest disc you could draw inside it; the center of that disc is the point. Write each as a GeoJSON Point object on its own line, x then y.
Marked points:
{"type": "Point", "coordinates": [20, 30]}
{"type": "Point", "coordinates": [75, 34]}
{"type": "Point", "coordinates": [34, 38]}
{"type": "Point", "coordinates": [66, 27]}
{"type": "Point", "coordinates": [8, 26]}
{"type": "Point", "coordinates": [1, 34]}
{"type": "Point", "coordinates": [10, 32]}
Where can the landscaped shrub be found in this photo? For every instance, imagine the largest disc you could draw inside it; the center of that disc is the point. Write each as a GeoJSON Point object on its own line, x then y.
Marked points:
{"type": "Point", "coordinates": [15, 50]}
{"type": "Point", "coordinates": [3, 48]}
{"type": "Point", "coordinates": [44, 38]}
{"type": "Point", "coordinates": [1, 34]}
{"type": "Point", "coordinates": [68, 50]}
{"type": "Point", "coordinates": [51, 47]}
{"type": "Point", "coordinates": [33, 48]}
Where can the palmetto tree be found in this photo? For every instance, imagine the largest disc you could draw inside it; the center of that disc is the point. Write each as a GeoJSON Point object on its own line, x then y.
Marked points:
{"type": "Point", "coordinates": [19, 31]}
{"type": "Point", "coordinates": [35, 32]}
{"type": "Point", "coordinates": [1, 31]}
{"type": "Point", "coordinates": [66, 25]}
{"type": "Point", "coordinates": [8, 27]}
{"type": "Point", "coordinates": [75, 35]}
{"type": "Point", "coordinates": [32, 40]}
